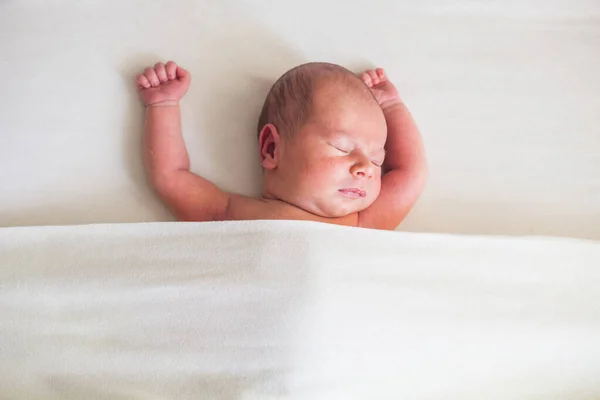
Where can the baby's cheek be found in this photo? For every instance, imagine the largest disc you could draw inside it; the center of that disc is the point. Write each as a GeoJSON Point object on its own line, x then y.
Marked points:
{"type": "Point", "coordinates": [377, 185]}
{"type": "Point", "coordinates": [310, 167]}
{"type": "Point", "coordinates": [323, 165]}
{"type": "Point", "coordinates": [318, 172]}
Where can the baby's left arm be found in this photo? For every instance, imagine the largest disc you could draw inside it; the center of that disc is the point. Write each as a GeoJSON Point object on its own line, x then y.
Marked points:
{"type": "Point", "coordinates": [405, 167]}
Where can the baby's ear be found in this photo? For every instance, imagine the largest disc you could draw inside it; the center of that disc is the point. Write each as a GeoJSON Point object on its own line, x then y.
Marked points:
{"type": "Point", "coordinates": [268, 142]}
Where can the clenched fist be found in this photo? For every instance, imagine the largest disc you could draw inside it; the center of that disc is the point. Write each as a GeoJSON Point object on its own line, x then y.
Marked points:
{"type": "Point", "coordinates": [163, 83]}
{"type": "Point", "coordinates": [382, 88]}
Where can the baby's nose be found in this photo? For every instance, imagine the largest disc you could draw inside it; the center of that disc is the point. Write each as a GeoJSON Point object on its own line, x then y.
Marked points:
{"type": "Point", "coordinates": [362, 169]}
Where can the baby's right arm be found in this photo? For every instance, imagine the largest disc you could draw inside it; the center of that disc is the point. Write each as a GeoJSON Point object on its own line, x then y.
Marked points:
{"type": "Point", "coordinates": [189, 196]}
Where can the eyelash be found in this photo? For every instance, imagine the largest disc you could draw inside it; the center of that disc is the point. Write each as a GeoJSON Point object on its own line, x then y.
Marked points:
{"type": "Point", "coordinates": [342, 150]}
{"type": "Point", "coordinates": [378, 165]}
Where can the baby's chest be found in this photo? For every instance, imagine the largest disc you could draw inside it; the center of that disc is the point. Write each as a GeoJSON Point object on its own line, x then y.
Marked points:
{"type": "Point", "coordinates": [249, 209]}
{"type": "Point", "coordinates": [253, 209]}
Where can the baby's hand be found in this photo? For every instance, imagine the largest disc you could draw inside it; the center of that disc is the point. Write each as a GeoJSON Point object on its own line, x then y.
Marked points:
{"type": "Point", "coordinates": [384, 91]}
{"type": "Point", "coordinates": [163, 83]}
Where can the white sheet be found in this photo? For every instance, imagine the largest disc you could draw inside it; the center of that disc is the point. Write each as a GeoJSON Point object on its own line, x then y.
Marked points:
{"type": "Point", "coordinates": [506, 93]}
{"type": "Point", "coordinates": [294, 310]}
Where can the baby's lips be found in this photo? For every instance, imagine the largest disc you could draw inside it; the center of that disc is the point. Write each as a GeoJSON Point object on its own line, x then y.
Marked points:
{"type": "Point", "coordinates": [353, 192]}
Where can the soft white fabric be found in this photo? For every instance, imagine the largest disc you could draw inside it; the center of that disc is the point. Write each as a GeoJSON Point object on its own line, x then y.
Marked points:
{"type": "Point", "coordinates": [294, 310]}
{"type": "Point", "coordinates": [506, 93]}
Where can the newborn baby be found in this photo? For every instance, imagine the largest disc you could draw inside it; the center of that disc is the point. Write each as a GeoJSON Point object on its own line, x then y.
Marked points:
{"type": "Point", "coordinates": [334, 147]}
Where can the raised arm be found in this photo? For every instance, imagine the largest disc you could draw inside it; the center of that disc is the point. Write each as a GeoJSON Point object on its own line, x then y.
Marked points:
{"type": "Point", "coordinates": [189, 196]}
{"type": "Point", "coordinates": [405, 167]}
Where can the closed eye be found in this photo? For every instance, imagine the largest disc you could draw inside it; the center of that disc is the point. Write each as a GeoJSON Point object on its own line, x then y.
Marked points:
{"type": "Point", "coordinates": [342, 150]}
{"type": "Point", "coordinates": [379, 159]}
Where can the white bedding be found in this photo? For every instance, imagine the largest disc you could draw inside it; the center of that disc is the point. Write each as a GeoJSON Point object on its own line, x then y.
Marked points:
{"type": "Point", "coordinates": [506, 93]}
{"type": "Point", "coordinates": [294, 310]}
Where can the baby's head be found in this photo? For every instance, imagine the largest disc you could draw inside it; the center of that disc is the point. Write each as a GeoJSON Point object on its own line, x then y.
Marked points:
{"type": "Point", "coordinates": [321, 139]}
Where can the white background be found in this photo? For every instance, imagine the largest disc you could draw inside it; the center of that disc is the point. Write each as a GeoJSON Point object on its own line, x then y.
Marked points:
{"type": "Point", "coordinates": [507, 95]}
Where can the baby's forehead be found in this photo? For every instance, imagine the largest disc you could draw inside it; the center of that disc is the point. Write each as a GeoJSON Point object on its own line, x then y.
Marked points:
{"type": "Point", "coordinates": [339, 98]}
{"type": "Point", "coordinates": [346, 86]}
{"type": "Point", "coordinates": [357, 127]}
{"type": "Point", "coordinates": [347, 113]}
{"type": "Point", "coordinates": [342, 97]}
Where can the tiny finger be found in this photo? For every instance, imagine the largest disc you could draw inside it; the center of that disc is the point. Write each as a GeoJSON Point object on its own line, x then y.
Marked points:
{"type": "Point", "coordinates": [142, 82]}
{"type": "Point", "coordinates": [380, 73]}
{"type": "Point", "coordinates": [151, 76]}
{"type": "Point", "coordinates": [374, 77]}
{"type": "Point", "coordinates": [161, 72]}
{"type": "Point", "coordinates": [366, 79]}
{"type": "Point", "coordinates": [171, 69]}
{"type": "Point", "coordinates": [182, 74]}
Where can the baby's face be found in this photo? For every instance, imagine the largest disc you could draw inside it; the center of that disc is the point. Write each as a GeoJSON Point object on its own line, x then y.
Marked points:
{"type": "Point", "coordinates": [332, 165]}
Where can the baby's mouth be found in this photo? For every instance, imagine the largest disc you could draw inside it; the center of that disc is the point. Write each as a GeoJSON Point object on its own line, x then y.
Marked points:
{"type": "Point", "coordinates": [353, 193]}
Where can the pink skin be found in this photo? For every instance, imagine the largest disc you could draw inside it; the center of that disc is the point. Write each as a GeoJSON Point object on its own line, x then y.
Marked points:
{"type": "Point", "coordinates": [163, 83]}
{"type": "Point", "coordinates": [328, 171]}
{"type": "Point", "coordinates": [384, 91]}
{"type": "Point", "coordinates": [331, 167]}
{"type": "Point", "coordinates": [353, 193]}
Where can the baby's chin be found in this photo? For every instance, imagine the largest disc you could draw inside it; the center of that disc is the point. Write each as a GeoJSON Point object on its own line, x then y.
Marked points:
{"type": "Point", "coordinates": [335, 209]}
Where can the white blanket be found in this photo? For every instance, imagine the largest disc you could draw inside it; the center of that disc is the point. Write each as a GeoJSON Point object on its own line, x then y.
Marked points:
{"type": "Point", "coordinates": [294, 310]}
{"type": "Point", "coordinates": [505, 92]}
